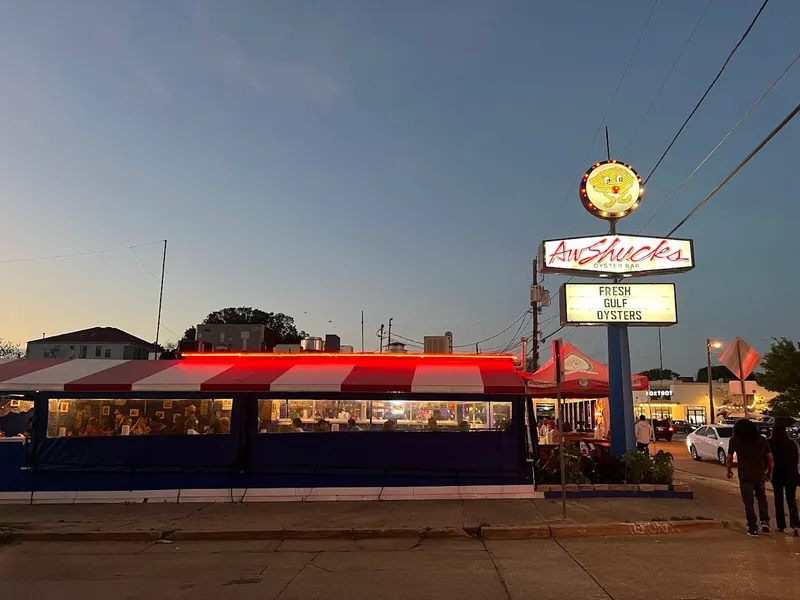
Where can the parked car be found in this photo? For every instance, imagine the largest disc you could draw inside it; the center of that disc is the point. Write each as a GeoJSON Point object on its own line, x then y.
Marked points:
{"type": "Point", "coordinates": [683, 426]}
{"type": "Point", "coordinates": [663, 429]}
{"type": "Point", "coordinates": [710, 442]}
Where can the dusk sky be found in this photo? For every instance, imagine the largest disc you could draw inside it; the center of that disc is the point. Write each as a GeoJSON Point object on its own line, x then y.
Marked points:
{"type": "Point", "coordinates": [404, 158]}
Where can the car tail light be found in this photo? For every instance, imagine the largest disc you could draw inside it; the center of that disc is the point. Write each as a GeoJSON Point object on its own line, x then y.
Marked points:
{"type": "Point", "coordinates": [671, 428]}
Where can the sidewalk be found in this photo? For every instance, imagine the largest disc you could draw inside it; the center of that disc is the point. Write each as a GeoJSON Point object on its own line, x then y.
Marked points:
{"type": "Point", "coordinates": [491, 519]}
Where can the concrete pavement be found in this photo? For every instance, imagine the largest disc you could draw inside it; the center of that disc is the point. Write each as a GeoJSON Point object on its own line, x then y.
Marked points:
{"type": "Point", "coordinates": [714, 565]}
{"type": "Point", "coordinates": [292, 520]}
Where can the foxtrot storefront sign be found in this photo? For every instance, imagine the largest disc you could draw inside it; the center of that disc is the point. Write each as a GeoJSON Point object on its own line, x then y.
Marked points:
{"type": "Point", "coordinates": [638, 304]}
{"type": "Point", "coordinates": [616, 255]}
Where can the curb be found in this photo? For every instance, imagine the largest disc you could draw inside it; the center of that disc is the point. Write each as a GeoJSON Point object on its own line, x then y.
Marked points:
{"type": "Point", "coordinates": [514, 532]}
{"type": "Point", "coordinates": [571, 530]}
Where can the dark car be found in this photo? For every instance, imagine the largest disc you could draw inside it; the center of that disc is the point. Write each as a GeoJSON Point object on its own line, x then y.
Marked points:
{"type": "Point", "coordinates": [683, 427]}
{"type": "Point", "coordinates": [663, 429]}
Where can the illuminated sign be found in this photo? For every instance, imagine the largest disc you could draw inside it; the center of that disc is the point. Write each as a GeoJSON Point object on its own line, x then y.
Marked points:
{"type": "Point", "coordinates": [611, 189]}
{"type": "Point", "coordinates": [659, 393]}
{"type": "Point", "coordinates": [618, 304]}
{"type": "Point", "coordinates": [616, 255]}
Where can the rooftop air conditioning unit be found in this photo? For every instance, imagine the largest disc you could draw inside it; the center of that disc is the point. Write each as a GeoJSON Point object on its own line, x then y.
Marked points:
{"type": "Point", "coordinates": [438, 344]}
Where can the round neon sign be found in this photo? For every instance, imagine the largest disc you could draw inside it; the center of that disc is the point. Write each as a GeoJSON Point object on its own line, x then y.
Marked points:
{"type": "Point", "coordinates": [611, 189]}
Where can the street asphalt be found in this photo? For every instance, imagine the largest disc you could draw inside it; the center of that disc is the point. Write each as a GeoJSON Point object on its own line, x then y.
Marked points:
{"type": "Point", "coordinates": [723, 564]}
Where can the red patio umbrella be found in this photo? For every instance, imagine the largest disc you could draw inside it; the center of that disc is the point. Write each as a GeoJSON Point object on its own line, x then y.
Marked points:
{"type": "Point", "coordinates": [582, 377]}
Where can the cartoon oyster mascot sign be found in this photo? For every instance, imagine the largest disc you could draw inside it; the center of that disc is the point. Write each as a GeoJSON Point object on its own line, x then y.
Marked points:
{"type": "Point", "coordinates": [611, 189]}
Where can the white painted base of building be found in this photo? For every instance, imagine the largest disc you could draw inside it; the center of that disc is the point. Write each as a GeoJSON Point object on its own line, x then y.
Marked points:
{"type": "Point", "coordinates": [239, 495]}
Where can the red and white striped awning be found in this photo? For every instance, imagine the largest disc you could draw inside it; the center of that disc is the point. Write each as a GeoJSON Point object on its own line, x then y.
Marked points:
{"type": "Point", "coordinates": [369, 373]}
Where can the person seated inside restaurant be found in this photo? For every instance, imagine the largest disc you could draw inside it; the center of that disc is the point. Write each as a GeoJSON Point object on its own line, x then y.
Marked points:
{"type": "Point", "coordinates": [463, 426]}
{"type": "Point", "coordinates": [390, 425]}
{"type": "Point", "coordinates": [225, 425]}
{"type": "Point", "coordinates": [157, 426]}
{"type": "Point", "coordinates": [141, 427]}
{"type": "Point", "coordinates": [352, 425]}
{"type": "Point", "coordinates": [432, 424]}
{"type": "Point", "coordinates": [297, 425]}
{"type": "Point", "coordinates": [192, 422]}
{"type": "Point", "coordinates": [322, 426]}
{"type": "Point", "coordinates": [92, 428]}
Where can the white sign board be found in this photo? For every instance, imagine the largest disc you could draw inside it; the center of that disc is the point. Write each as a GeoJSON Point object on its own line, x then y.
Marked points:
{"type": "Point", "coordinates": [616, 255]}
{"type": "Point", "coordinates": [619, 304]}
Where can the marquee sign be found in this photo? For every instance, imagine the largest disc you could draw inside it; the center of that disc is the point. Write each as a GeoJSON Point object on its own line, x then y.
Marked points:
{"type": "Point", "coordinates": [636, 304]}
{"type": "Point", "coordinates": [611, 255]}
{"type": "Point", "coordinates": [611, 189]}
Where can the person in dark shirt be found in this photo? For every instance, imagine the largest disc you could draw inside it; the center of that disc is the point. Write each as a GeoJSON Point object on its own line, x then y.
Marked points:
{"type": "Point", "coordinates": [784, 477]}
{"type": "Point", "coordinates": [755, 468]}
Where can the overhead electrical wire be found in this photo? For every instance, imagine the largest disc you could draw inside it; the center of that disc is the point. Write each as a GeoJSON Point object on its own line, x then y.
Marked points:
{"type": "Point", "coordinates": [608, 110]}
{"type": "Point", "coordinates": [36, 258]}
{"type": "Point", "coordinates": [755, 151]}
{"type": "Point", "coordinates": [722, 141]}
{"type": "Point", "coordinates": [666, 78]}
{"type": "Point", "coordinates": [470, 345]}
{"type": "Point", "coordinates": [708, 90]}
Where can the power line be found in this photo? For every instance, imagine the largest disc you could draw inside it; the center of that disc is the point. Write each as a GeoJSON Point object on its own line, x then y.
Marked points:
{"type": "Point", "coordinates": [471, 344]}
{"type": "Point", "coordinates": [35, 258]}
{"type": "Point", "coordinates": [666, 78]}
{"type": "Point", "coordinates": [143, 265]}
{"type": "Point", "coordinates": [515, 337]}
{"type": "Point", "coordinates": [755, 151]}
{"type": "Point", "coordinates": [703, 97]}
{"type": "Point", "coordinates": [722, 141]}
{"type": "Point", "coordinates": [608, 110]}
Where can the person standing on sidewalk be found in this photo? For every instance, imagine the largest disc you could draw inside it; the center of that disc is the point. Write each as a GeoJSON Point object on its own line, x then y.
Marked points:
{"type": "Point", "coordinates": [784, 477]}
{"type": "Point", "coordinates": [644, 433]}
{"type": "Point", "coordinates": [755, 468]}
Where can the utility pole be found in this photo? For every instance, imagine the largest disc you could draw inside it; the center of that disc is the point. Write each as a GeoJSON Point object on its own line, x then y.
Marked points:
{"type": "Point", "coordinates": [477, 350]}
{"type": "Point", "coordinates": [381, 348]}
{"type": "Point", "coordinates": [389, 339]}
{"type": "Point", "coordinates": [161, 293]}
{"type": "Point", "coordinates": [362, 332]}
{"type": "Point", "coordinates": [535, 314]}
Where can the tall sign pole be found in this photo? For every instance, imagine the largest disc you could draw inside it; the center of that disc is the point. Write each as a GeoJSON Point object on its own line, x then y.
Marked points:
{"type": "Point", "coordinates": [611, 190]}
{"type": "Point", "coordinates": [560, 422]}
{"type": "Point", "coordinates": [741, 378]}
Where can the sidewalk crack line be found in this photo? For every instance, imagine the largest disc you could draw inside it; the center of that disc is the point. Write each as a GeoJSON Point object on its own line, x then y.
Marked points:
{"type": "Point", "coordinates": [585, 570]}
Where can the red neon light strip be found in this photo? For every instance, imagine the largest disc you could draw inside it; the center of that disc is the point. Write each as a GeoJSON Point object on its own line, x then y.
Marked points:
{"type": "Point", "coordinates": [347, 356]}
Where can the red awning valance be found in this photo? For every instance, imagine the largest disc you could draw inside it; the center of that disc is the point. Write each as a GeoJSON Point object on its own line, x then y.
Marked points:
{"type": "Point", "coordinates": [367, 373]}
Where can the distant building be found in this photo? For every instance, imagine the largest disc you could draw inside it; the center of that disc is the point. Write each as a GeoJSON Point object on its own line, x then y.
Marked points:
{"type": "Point", "coordinates": [688, 400]}
{"type": "Point", "coordinates": [97, 342]}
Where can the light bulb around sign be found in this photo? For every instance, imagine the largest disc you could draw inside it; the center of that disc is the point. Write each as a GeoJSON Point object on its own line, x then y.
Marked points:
{"type": "Point", "coordinates": [611, 189]}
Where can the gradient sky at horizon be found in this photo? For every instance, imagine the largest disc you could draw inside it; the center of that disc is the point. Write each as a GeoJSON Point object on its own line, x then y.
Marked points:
{"type": "Point", "coordinates": [404, 158]}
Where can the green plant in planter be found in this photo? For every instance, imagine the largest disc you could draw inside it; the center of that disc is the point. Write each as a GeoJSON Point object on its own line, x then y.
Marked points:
{"type": "Point", "coordinates": [572, 464]}
{"type": "Point", "coordinates": [662, 468]}
{"type": "Point", "coordinates": [637, 467]}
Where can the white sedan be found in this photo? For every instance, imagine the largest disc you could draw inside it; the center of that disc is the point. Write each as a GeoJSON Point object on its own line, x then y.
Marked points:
{"type": "Point", "coordinates": [710, 442]}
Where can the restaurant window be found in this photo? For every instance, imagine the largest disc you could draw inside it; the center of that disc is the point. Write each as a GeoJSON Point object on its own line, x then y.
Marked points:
{"type": "Point", "coordinates": [98, 351]}
{"type": "Point", "coordinates": [118, 416]}
{"type": "Point", "coordinates": [281, 416]}
{"type": "Point", "coordinates": [108, 353]}
{"type": "Point", "coordinates": [696, 415]}
{"type": "Point", "coordinates": [82, 353]}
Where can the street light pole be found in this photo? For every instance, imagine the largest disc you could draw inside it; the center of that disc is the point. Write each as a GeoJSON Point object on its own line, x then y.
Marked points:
{"type": "Point", "coordinates": [709, 345]}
